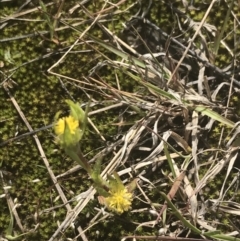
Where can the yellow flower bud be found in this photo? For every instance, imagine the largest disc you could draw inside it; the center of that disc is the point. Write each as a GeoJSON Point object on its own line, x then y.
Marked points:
{"type": "Point", "coordinates": [67, 130]}
{"type": "Point", "coordinates": [62, 122]}
{"type": "Point", "coordinates": [60, 126]}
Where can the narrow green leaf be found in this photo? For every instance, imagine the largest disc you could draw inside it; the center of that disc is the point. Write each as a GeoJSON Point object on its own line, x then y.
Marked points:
{"type": "Point", "coordinates": [169, 159]}
{"type": "Point", "coordinates": [212, 114]}
{"type": "Point", "coordinates": [213, 235]}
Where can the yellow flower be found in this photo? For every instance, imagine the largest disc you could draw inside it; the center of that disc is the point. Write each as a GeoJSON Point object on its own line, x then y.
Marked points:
{"type": "Point", "coordinates": [60, 126]}
{"type": "Point", "coordinates": [72, 124]}
{"type": "Point", "coordinates": [68, 131]}
{"type": "Point", "coordinates": [62, 122]}
{"type": "Point", "coordinates": [119, 200]}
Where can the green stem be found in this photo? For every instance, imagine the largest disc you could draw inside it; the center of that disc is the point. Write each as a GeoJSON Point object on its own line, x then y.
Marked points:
{"type": "Point", "coordinates": [219, 37]}
{"type": "Point", "coordinates": [76, 154]}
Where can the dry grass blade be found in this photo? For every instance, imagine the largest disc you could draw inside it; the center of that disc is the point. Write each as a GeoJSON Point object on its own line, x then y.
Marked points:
{"type": "Point", "coordinates": [227, 207]}
{"type": "Point", "coordinates": [172, 96]}
{"type": "Point", "coordinates": [213, 171]}
{"type": "Point", "coordinates": [162, 238]}
{"type": "Point", "coordinates": [12, 208]}
{"type": "Point", "coordinates": [163, 110]}
{"type": "Point", "coordinates": [193, 38]}
{"type": "Point", "coordinates": [172, 192]}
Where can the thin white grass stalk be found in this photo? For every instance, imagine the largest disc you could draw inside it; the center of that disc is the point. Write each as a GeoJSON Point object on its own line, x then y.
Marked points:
{"type": "Point", "coordinates": [192, 39]}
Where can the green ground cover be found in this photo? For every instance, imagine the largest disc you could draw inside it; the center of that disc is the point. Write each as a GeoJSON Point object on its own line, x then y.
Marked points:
{"type": "Point", "coordinates": [133, 120]}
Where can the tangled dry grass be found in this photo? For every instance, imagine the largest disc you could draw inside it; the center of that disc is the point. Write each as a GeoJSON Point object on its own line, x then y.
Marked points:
{"type": "Point", "coordinates": [174, 104]}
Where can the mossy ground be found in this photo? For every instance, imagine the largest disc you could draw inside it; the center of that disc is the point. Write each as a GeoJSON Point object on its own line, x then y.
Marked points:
{"type": "Point", "coordinates": [40, 95]}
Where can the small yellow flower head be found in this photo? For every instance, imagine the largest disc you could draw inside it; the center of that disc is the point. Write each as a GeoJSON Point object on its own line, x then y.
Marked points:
{"type": "Point", "coordinates": [119, 200]}
{"type": "Point", "coordinates": [60, 126]}
{"type": "Point", "coordinates": [67, 130]}
{"type": "Point", "coordinates": [62, 122]}
{"type": "Point", "coordinates": [72, 124]}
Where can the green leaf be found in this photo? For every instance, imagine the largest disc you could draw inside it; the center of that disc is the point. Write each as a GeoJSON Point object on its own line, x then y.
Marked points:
{"type": "Point", "coordinates": [212, 114]}
{"type": "Point", "coordinates": [76, 111]}
{"type": "Point", "coordinates": [213, 235]}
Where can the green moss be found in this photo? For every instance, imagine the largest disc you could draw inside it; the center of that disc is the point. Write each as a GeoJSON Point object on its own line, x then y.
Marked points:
{"type": "Point", "coordinates": [40, 96]}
